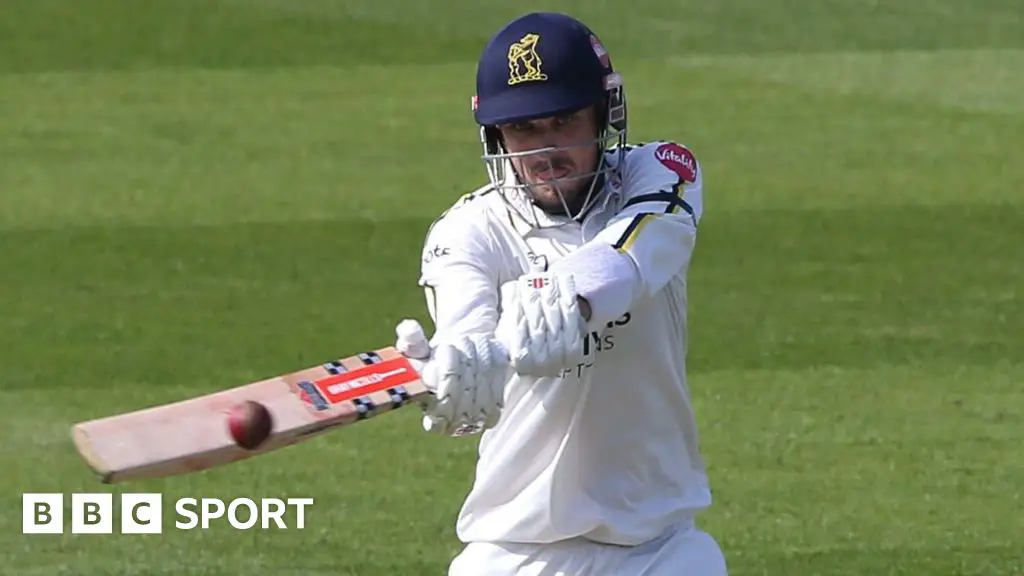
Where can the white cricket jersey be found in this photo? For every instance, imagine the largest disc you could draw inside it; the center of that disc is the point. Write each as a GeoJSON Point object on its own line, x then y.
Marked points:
{"type": "Point", "coordinates": [608, 451]}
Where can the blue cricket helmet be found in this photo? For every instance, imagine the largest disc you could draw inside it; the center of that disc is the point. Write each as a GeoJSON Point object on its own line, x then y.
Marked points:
{"type": "Point", "coordinates": [539, 65]}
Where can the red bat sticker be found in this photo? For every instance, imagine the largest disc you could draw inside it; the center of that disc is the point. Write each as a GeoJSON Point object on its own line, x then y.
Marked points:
{"type": "Point", "coordinates": [366, 380]}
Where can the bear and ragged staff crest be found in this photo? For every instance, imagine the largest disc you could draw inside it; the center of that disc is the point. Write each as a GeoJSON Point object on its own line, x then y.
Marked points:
{"type": "Point", "coordinates": [524, 62]}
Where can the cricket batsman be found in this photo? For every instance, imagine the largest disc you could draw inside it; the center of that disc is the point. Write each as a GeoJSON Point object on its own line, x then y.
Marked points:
{"type": "Point", "coordinates": [558, 294]}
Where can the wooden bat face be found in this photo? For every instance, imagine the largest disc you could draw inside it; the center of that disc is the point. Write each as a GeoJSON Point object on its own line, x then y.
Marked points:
{"type": "Point", "coordinates": [192, 435]}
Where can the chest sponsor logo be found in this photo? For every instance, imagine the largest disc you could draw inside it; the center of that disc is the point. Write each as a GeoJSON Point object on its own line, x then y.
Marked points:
{"type": "Point", "coordinates": [595, 344]}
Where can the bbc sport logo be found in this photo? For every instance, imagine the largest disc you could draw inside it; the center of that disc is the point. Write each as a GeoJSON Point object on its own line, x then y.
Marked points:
{"type": "Point", "coordinates": [94, 513]}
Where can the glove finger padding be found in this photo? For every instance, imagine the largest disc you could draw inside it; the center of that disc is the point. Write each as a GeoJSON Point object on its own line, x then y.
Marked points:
{"type": "Point", "coordinates": [547, 334]}
{"type": "Point", "coordinates": [574, 327]}
{"type": "Point", "coordinates": [444, 374]}
{"type": "Point", "coordinates": [553, 311]}
{"type": "Point", "coordinates": [484, 372]}
{"type": "Point", "coordinates": [469, 375]}
{"type": "Point", "coordinates": [492, 375]}
{"type": "Point", "coordinates": [513, 330]}
{"type": "Point", "coordinates": [448, 361]}
{"type": "Point", "coordinates": [539, 324]}
{"type": "Point", "coordinates": [438, 376]}
{"type": "Point", "coordinates": [535, 311]}
{"type": "Point", "coordinates": [478, 402]}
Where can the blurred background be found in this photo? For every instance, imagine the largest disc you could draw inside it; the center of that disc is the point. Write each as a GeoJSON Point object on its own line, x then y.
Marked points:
{"type": "Point", "coordinates": [196, 194]}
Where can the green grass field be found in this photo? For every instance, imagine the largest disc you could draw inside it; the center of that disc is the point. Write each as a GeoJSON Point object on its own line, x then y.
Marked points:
{"type": "Point", "coordinates": [195, 194]}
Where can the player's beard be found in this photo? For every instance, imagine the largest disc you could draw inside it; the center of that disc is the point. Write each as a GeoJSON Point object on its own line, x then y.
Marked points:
{"type": "Point", "coordinates": [559, 185]}
{"type": "Point", "coordinates": [553, 197]}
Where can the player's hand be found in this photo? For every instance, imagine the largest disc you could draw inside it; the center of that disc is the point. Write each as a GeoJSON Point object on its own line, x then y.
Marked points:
{"type": "Point", "coordinates": [542, 324]}
{"type": "Point", "coordinates": [467, 376]}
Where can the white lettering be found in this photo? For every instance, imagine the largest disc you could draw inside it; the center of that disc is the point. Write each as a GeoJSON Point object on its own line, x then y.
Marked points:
{"type": "Point", "coordinates": [300, 510]}
{"type": "Point", "coordinates": [273, 509]}
{"type": "Point", "coordinates": [182, 507]}
{"type": "Point", "coordinates": [209, 505]}
{"type": "Point", "coordinates": [270, 512]}
{"type": "Point", "coordinates": [673, 156]}
{"type": "Point", "coordinates": [254, 513]}
{"type": "Point", "coordinates": [141, 513]}
{"type": "Point", "coordinates": [363, 381]}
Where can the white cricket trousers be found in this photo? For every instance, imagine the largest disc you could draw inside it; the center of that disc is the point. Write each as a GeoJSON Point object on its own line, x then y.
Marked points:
{"type": "Point", "coordinates": [685, 551]}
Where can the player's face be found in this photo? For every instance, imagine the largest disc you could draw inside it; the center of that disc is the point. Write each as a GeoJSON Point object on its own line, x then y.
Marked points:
{"type": "Point", "coordinates": [574, 135]}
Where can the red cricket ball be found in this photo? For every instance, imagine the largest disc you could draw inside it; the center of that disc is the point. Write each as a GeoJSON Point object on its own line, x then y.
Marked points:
{"type": "Point", "coordinates": [250, 424]}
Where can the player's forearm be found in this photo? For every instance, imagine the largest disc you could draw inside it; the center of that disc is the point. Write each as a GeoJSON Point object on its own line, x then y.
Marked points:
{"type": "Point", "coordinates": [607, 281]}
{"type": "Point", "coordinates": [461, 298]}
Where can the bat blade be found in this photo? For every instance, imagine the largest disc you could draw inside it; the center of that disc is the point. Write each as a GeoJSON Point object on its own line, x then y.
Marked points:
{"type": "Point", "coordinates": [192, 435]}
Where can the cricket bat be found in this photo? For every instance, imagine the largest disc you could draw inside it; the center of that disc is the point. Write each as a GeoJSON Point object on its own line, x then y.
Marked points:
{"type": "Point", "coordinates": [192, 435]}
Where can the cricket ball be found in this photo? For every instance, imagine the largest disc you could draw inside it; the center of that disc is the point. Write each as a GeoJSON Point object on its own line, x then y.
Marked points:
{"type": "Point", "coordinates": [250, 424]}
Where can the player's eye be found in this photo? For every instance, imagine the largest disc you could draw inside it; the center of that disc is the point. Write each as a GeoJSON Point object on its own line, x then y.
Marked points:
{"type": "Point", "coordinates": [565, 120]}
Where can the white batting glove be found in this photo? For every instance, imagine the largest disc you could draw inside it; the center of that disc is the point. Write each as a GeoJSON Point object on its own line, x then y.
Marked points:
{"type": "Point", "coordinates": [467, 376]}
{"type": "Point", "coordinates": [541, 324]}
